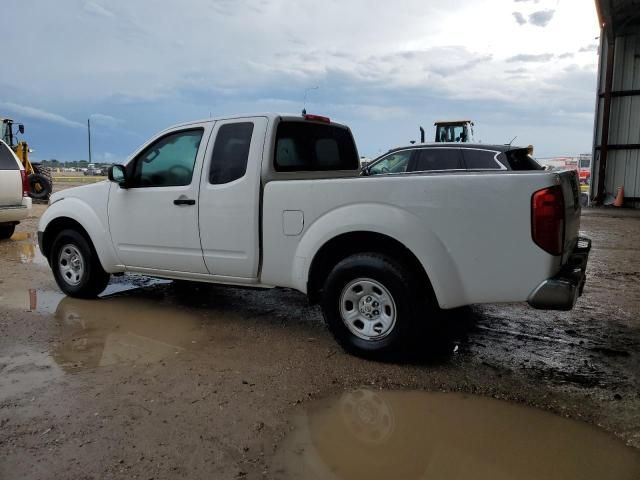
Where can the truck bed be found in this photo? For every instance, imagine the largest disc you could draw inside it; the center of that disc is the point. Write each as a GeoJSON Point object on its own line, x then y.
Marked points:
{"type": "Point", "coordinates": [471, 231]}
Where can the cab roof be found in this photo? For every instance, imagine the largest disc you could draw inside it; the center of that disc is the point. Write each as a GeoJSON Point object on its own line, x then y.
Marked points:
{"type": "Point", "coordinates": [271, 116]}
{"type": "Point", "coordinates": [452, 122]}
{"type": "Point", "coordinates": [481, 146]}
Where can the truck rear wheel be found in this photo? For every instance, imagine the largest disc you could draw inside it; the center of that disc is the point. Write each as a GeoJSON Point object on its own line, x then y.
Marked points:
{"type": "Point", "coordinates": [76, 266]}
{"type": "Point", "coordinates": [370, 303]}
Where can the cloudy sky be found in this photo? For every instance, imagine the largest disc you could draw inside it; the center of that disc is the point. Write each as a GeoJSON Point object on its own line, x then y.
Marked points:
{"type": "Point", "coordinates": [516, 67]}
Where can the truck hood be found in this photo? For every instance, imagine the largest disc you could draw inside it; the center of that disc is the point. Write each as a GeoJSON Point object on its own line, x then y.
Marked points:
{"type": "Point", "coordinates": [95, 192]}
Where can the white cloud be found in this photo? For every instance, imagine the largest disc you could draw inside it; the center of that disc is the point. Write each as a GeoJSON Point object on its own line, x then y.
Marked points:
{"type": "Point", "coordinates": [188, 58]}
{"type": "Point", "coordinates": [520, 20]}
{"type": "Point", "coordinates": [106, 120]}
{"type": "Point", "coordinates": [97, 9]}
{"type": "Point", "coordinates": [152, 54]}
{"type": "Point", "coordinates": [541, 18]}
{"type": "Point", "coordinates": [39, 114]}
{"type": "Point", "coordinates": [527, 57]}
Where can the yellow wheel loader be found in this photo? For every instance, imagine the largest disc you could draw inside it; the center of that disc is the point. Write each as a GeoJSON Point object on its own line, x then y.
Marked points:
{"type": "Point", "coordinates": [40, 178]}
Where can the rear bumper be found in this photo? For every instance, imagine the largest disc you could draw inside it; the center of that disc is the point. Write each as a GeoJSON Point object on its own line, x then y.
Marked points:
{"type": "Point", "coordinates": [15, 213]}
{"type": "Point", "coordinates": [562, 291]}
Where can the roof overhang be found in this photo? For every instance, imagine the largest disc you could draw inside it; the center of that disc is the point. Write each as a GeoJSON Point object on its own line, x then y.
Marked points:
{"type": "Point", "coordinates": [617, 15]}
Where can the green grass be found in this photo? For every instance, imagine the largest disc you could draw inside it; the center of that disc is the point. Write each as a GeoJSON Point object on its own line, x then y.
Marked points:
{"type": "Point", "coordinates": [77, 179]}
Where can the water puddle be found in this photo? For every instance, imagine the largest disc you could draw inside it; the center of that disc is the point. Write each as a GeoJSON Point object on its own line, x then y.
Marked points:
{"type": "Point", "coordinates": [23, 247]}
{"type": "Point", "coordinates": [30, 299]}
{"type": "Point", "coordinates": [46, 301]}
{"type": "Point", "coordinates": [117, 330]}
{"type": "Point", "coordinates": [417, 435]}
{"type": "Point", "coordinates": [126, 326]}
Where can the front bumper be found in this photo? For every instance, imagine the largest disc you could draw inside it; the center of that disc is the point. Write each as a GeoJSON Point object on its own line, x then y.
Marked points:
{"type": "Point", "coordinates": [562, 291]}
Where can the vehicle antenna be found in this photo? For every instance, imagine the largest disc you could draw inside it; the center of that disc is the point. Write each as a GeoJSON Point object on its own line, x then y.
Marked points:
{"type": "Point", "coordinates": [512, 140]}
{"type": "Point", "coordinates": [304, 102]}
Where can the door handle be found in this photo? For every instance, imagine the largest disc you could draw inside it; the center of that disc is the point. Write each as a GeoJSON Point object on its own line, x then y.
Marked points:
{"type": "Point", "coordinates": [184, 201]}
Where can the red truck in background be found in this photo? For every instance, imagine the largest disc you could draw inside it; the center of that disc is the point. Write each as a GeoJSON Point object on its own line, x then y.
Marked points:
{"type": "Point", "coordinates": [581, 163]}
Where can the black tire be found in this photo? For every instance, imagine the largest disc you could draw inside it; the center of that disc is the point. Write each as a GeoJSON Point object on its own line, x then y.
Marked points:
{"type": "Point", "coordinates": [6, 231]}
{"type": "Point", "coordinates": [409, 301]}
{"type": "Point", "coordinates": [39, 187]}
{"type": "Point", "coordinates": [93, 279]}
{"type": "Point", "coordinates": [46, 171]}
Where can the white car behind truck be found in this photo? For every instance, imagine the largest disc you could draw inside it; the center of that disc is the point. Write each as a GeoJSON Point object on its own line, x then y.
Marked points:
{"type": "Point", "coordinates": [15, 204]}
{"type": "Point", "coordinates": [277, 201]}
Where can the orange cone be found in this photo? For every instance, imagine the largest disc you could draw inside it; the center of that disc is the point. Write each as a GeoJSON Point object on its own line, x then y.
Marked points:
{"type": "Point", "coordinates": [619, 197]}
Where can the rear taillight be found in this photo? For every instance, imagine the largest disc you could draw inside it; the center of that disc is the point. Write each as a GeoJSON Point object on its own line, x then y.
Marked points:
{"type": "Point", "coordinates": [25, 183]}
{"type": "Point", "coordinates": [547, 219]}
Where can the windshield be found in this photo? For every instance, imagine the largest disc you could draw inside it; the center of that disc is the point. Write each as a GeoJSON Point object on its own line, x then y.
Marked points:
{"type": "Point", "coordinates": [396, 162]}
{"type": "Point", "coordinates": [452, 133]}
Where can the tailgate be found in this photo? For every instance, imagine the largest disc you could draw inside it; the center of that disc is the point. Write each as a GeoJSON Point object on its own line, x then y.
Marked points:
{"type": "Point", "coordinates": [570, 183]}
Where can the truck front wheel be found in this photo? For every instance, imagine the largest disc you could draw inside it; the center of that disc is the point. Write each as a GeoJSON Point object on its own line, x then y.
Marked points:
{"type": "Point", "coordinates": [76, 266]}
{"type": "Point", "coordinates": [370, 303]}
{"type": "Point", "coordinates": [6, 230]}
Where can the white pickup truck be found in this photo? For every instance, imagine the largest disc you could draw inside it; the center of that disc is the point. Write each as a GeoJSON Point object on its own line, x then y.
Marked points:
{"type": "Point", "coordinates": [15, 204]}
{"type": "Point", "coordinates": [277, 201]}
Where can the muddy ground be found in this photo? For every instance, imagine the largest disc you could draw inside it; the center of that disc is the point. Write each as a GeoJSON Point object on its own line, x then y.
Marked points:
{"type": "Point", "coordinates": [157, 380]}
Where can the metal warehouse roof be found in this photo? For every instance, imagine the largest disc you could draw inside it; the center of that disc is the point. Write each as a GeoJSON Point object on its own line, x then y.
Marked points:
{"type": "Point", "coordinates": [618, 14]}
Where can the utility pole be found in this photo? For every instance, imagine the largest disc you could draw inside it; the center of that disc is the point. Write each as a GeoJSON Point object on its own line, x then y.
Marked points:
{"type": "Point", "coordinates": [89, 134]}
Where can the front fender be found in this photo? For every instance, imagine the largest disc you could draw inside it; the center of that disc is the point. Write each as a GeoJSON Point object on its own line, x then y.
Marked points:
{"type": "Point", "coordinates": [393, 222]}
{"type": "Point", "coordinates": [78, 210]}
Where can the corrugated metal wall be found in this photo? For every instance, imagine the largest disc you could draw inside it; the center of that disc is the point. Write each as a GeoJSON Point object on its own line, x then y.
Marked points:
{"type": "Point", "coordinates": [623, 166]}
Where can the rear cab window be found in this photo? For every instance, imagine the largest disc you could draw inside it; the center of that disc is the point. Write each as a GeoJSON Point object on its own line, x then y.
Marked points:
{"type": "Point", "coordinates": [7, 160]}
{"type": "Point", "coordinates": [312, 146]}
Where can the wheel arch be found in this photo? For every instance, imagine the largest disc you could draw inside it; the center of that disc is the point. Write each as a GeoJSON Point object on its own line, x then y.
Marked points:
{"type": "Point", "coordinates": [387, 230]}
{"type": "Point", "coordinates": [56, 226]}
{"type": "Point", "coordinates": [74, 214]}
{"type": "Point", "coordinates": [347, 244]}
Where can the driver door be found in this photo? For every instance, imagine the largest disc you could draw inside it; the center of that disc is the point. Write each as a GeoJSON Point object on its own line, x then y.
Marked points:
{"type": "Point", "coordinates": [154, 222]}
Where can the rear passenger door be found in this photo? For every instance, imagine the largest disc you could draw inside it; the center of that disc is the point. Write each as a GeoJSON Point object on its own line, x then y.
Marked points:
{"type": "Point", "coordinates": [10, 178]}
{"type": "Point", "coordinates": [229, 207]}
{"type": "Point", "coordinates": [437, 159]}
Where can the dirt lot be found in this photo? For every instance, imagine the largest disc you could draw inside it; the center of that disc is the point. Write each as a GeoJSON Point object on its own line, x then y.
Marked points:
{"type": "Point", "coordinates": [157, 380]}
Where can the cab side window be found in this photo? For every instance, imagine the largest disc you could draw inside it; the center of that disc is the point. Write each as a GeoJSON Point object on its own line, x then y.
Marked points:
{"type": "Point", "coordinates": [169, 161]}
{"type": "Point", "coordinates": [481, 160]}
{"type": "Point", "coordinates": [7, 160]}
{"type": "Point", "coordinates": [230, 153]}
{"type": "Point", "coordinates": [429, 159]}
{"type": "Point", "coordinates": [396, 162]}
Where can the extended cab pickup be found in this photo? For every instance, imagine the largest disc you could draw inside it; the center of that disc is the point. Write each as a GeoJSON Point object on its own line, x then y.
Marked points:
{"type": "Point", "coordinates": [277, 201]}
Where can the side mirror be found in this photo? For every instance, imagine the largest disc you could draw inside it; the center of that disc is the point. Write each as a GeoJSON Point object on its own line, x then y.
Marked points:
{"type": "Point", "coordinates": [21, 128]}
{"type": "Point", "coordinates": [118, 174]}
